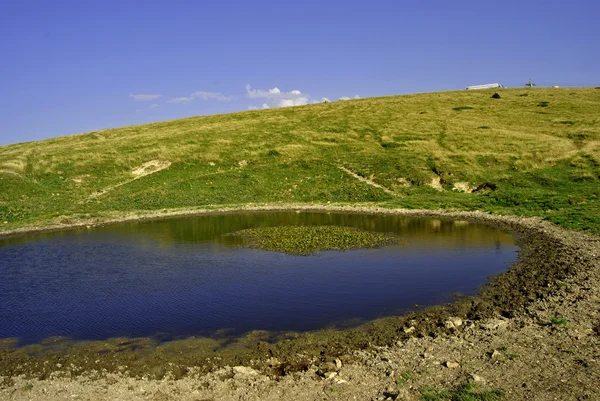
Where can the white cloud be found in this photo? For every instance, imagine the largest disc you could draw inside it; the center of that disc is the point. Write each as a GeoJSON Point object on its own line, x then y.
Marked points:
{"type": "Point", "coordinates": [323, 100]}
{"type": "Point", "coordinates": [153, 106]}
{"type": "Point", "coordinates": [344, 98]}
{"type": "Point", "coordinates": [184, 100]}
{"type": "Point", "coordinates": [201, 95]}
{"type": "Point", "coordinates": [143, 97]}
{"type": "Point", "coordinates": [285, 102]}
{"type": "Point", "coordinates": [292, 102]}
{"type": "Point", "coordinates": [274, 97]}
{"type": "Point", "coordinates": [262, 94]}
{"type": "Point", "coordinates": [252, 107]}
{"type": "Point", "coordinates": [211, 95]}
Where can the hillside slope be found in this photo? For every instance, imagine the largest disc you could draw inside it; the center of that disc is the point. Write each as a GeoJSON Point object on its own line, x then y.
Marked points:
{"type": "Point", "coordinates": [531, 152]}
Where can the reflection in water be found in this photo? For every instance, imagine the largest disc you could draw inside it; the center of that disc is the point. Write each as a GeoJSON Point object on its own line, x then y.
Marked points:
{"type": "Point", "coordinates": [181, 277]}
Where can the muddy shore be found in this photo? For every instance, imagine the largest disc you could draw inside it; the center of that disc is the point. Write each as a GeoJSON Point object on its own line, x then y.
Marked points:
{"type": "Point", "coordinates": [532, 332]}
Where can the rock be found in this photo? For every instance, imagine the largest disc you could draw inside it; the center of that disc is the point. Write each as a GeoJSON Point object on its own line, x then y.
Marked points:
{"type": "Point", "coordinates": [449, 325]}
{"type": "Point", "coordinates": [243, 371]}
{"type": "Point", "coordinates": [494, 324]}
{"type": "Point", "coordinates": [477, 379]}
{"type": "Point", "coordinates": [338, 363]}
{"type": "Point", "coordinates": [331, 375]}
{"type": "Point", "coordinates": [451, 365]}
{"type": "Point", "coordinates": [496, 354]}
{"type": "Point", "coordinates": [340, 381]}
{"type": "Point", "coordinates": [409, 330]}
{"type": "Point", "coordinates": [326, 368]}
{"type": "Point", "coordinates": [456, 321]}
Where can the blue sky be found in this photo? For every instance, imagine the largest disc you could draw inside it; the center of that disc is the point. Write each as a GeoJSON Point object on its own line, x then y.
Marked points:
{"type": "Point", "coordinates": [77, 66]}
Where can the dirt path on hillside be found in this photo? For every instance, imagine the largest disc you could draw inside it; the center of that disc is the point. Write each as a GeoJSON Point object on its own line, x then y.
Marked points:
{"type": "Point", "coordinates": [538, 340]}
{"type": "Point", "coordinates": [368, 181]}
{"type": "Point", "coordinates": [150, 167]}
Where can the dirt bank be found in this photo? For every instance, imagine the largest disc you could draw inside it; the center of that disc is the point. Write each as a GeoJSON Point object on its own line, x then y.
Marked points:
{"type": "Point", "coordinates": [533, 332]}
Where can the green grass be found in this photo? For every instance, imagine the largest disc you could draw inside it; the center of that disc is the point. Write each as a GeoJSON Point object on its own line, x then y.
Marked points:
{"type": "Point", "coordinates": [307, 240]}
{"type": "Point", "coordinates": [530, 161]}
{"type": "Point", "coordinates": [557, 321]}
{"type": "Point", "coordinates": [467, 392]}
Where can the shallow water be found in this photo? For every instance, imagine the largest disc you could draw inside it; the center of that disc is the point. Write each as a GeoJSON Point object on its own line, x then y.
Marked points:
{"type": "Point", "coordinates": [182, 277]}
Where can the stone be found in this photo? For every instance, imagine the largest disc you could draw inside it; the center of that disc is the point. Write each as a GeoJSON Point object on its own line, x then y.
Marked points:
{"type": "Point", "coordinates": [331, 375]}
{"type": "Point", "coordinates": [243, 371]}
{"type": "Point", "coordinates": [451, 365]}
{"type": "Point", "coordinates": [326, 368]}
{"type": "Point", "coordinates": [409, 330]}
{"type": "Point", "coordinates": [456, 321]}
{"type": "Point", "coordinates": [496, 354]}
{"type": "Point", "coordinates": [494, 324]}
{"type": "Point", "coordinates": [449, 325]}
{"type": "Point", "coordinates": [338, 363]}
{"type": "Point", "coordinates": [477, 379]}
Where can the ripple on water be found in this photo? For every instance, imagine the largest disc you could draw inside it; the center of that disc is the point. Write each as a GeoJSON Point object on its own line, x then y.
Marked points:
{"type": "Point", "coordinates": [183, 277]}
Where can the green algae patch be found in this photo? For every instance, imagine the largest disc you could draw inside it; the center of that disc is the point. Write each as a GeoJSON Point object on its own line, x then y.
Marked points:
{"type": "Point", "coordinates": [308, 240]}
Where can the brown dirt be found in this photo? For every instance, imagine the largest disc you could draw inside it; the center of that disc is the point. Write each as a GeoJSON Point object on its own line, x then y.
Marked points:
{"type": "Point", "coordinates": [533, 332]}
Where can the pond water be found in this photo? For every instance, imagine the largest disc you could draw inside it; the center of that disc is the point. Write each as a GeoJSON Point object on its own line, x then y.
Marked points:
{"type": "Point", "coordinates": [185, 277]}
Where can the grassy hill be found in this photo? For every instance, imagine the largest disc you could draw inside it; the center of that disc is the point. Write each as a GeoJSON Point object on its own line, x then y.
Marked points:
{"type": "Point", "coordinates": [531, 152]}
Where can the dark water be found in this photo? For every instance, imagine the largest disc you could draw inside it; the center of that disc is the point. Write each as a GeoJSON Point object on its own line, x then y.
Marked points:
{"type": "Point", "coordinates": [183, 277]}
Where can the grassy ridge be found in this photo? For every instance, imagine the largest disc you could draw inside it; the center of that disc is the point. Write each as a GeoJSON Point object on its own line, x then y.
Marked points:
{"type": "Point", "coordinates": [531, 152]}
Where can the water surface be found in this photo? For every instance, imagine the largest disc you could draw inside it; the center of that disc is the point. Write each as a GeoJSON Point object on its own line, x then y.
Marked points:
{"type": "Point", "coordinates": [184, 277]}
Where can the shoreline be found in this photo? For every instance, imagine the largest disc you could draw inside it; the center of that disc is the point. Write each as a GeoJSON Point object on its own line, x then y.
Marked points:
{"type": "Point", "coordinates": [139, 216]}
{"type": "Point", "coordinates": [556, 278]}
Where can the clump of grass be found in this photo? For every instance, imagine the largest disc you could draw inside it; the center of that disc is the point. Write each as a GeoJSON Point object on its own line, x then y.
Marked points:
{"type": "Point", "coordinates": [496, 96]}
{"type": "Point", "coordinates": [461, 108]}
{"type": "Point", "coordinates": [557, 321]}
{"type": "Point", "coordinates": [307, 240]}
{"type": "Point", "coordinates": [544, 103]}
{"type": "Point", "coordinates": [579, 138]}
{"type": "Point", "coordinates": [567, 122]}
{"type": "Point", "coordinates": [467, 392]}
{"type": "Point", "coordinates": [524, 94]}
{"type": "Point", "coordinates": [484, 127]}
{"type": "Point", "coordinates": [273, 152]}
{"type": "Point", "coordinates": [405, 376]}
{"type": "Point", "coordinates": [390, 145]}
